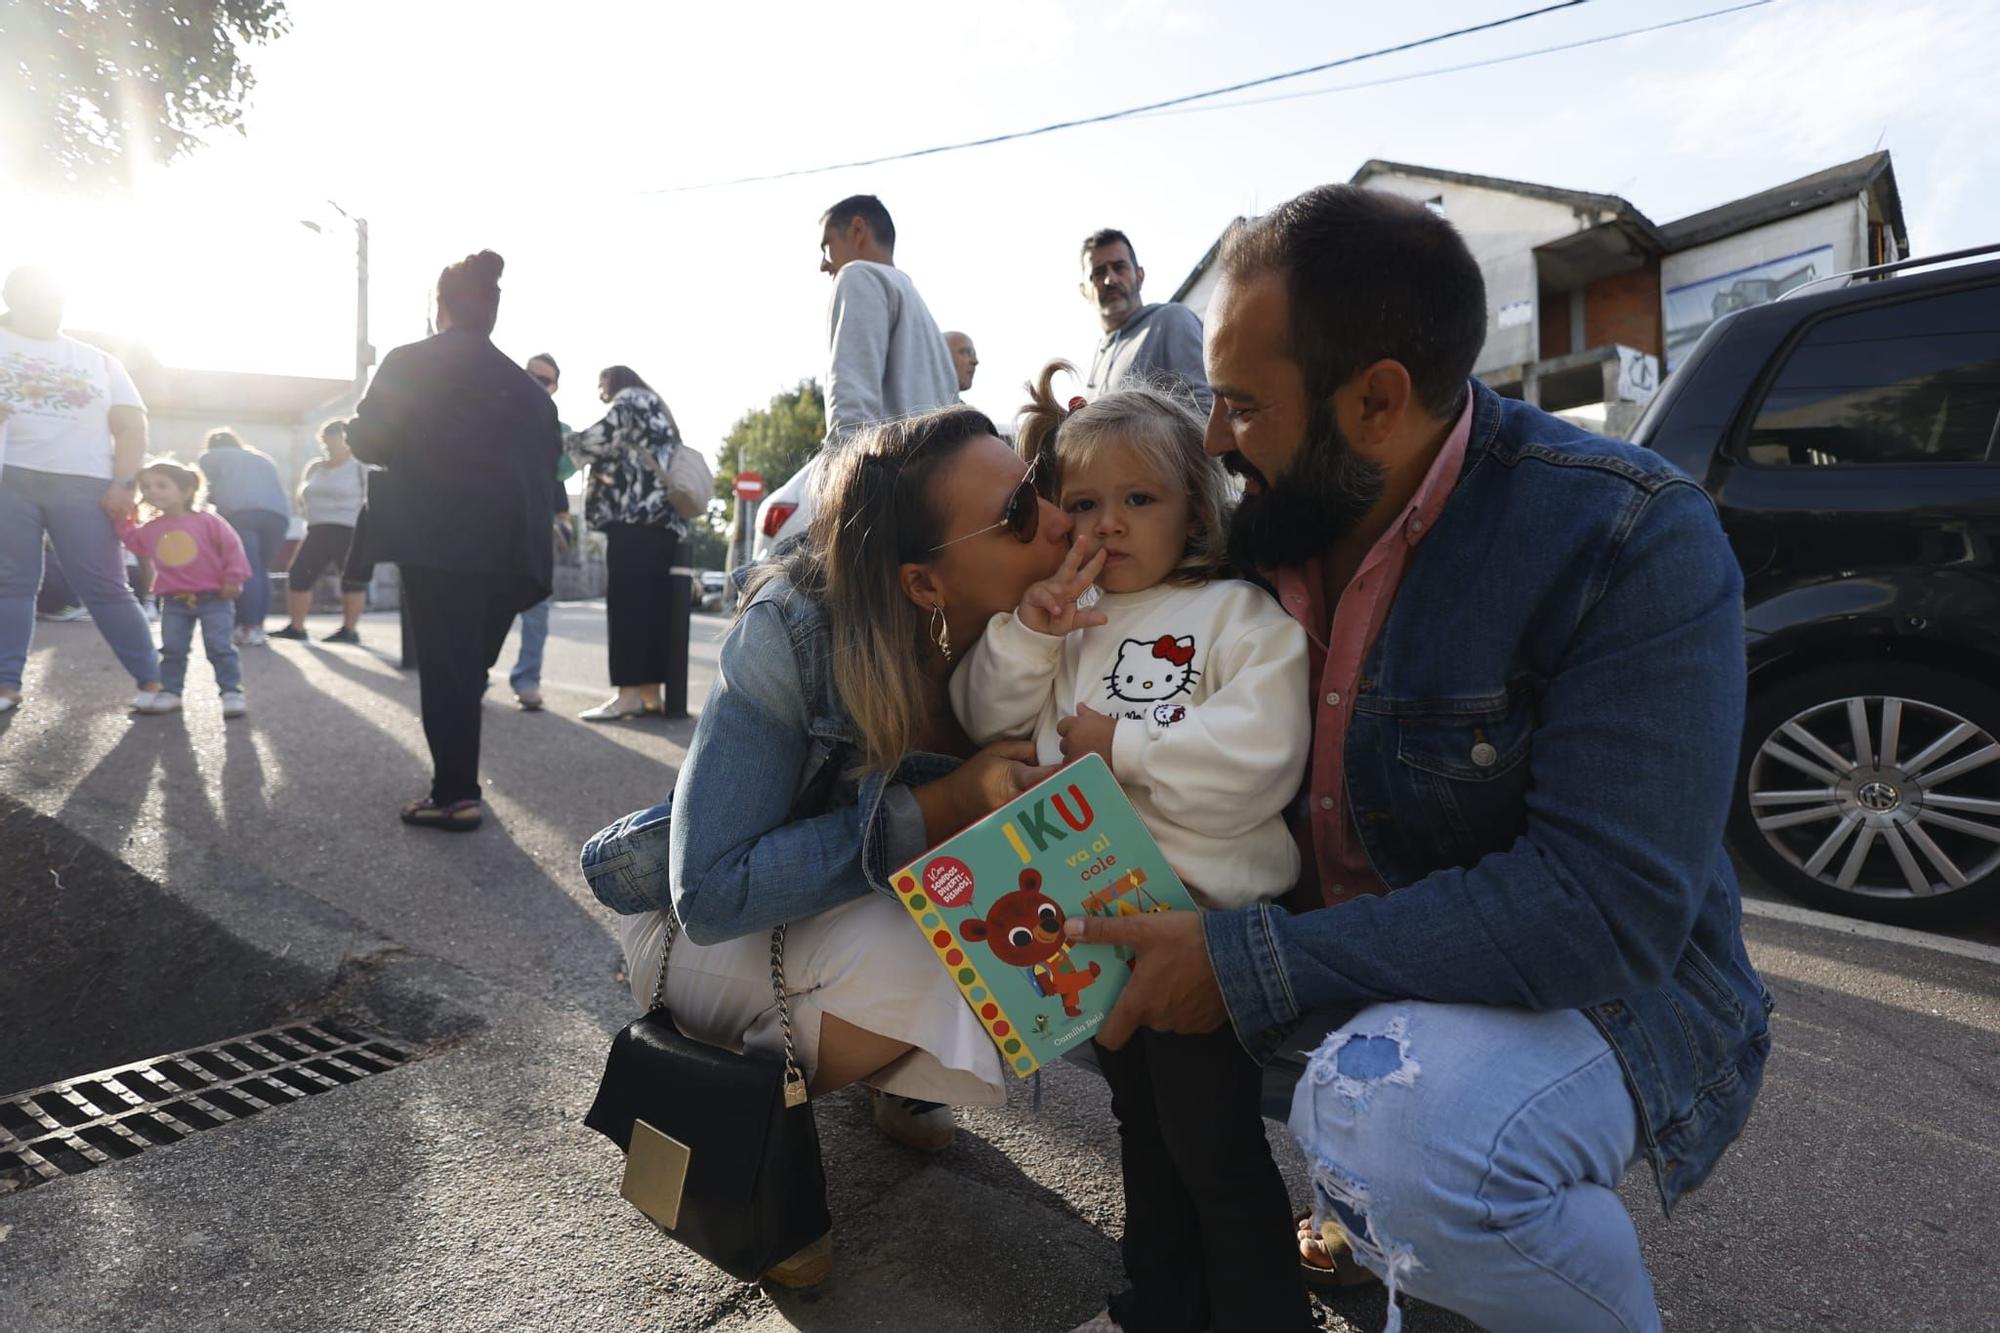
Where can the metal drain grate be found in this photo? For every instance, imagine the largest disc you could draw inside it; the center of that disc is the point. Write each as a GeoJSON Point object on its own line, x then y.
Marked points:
{"type": "Point", "coordinates": [68, 1128]}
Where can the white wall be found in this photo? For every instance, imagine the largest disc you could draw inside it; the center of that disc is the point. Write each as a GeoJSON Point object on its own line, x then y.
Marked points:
{"type": "Point", "coordinates": [1842, 225]}
{"type": "Point", "coordinates": [291, 444]}
{"type": "Point", "coordinates": [1502, 230]}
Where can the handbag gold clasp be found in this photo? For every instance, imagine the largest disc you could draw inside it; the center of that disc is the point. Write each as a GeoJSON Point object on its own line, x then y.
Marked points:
{"type": "Point", "coordinates": [655, 1174]}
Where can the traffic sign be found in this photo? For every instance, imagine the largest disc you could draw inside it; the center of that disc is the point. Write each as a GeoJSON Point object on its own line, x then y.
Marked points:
{"type": "Point", "coordinates": [749, 485]}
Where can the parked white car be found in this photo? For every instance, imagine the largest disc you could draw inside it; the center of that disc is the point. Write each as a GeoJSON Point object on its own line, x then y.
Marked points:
{"type": "Point", "coordinates": [785, 511]}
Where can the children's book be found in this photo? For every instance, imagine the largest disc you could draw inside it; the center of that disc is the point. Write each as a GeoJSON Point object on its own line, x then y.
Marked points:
{"type": "Point", "coordinates": [992, 902]}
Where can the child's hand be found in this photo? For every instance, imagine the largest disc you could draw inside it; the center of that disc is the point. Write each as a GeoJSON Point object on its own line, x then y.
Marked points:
{"type": "Point", "coordinates": [1049, 607]}
{"type": "Point", "coordinates": [231, 591]}
{"type": "Point", "coordinates": [1089, 732]}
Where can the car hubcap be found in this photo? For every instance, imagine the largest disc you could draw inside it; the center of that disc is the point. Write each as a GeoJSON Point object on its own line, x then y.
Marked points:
{"type": "Point", "coordinates": [1880, 796]}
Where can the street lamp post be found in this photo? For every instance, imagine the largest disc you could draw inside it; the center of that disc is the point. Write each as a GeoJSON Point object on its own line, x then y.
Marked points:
{"type": "Point", "coordinates": [364, 354]}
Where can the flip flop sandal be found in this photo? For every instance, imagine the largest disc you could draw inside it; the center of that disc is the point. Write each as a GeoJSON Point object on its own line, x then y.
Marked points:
{"type": "Point", "coordinates": [1346, 1272]}
{"type": "Point", "coordinates": [458, 817]}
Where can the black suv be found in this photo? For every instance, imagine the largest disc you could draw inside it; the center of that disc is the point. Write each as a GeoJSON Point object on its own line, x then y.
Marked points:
{"type": "Point", "coordinates": [1850, 436]}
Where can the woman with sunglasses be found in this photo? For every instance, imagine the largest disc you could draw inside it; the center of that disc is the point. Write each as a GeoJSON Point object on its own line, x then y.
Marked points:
{"type": "Point", "coordinates": [826, 758]}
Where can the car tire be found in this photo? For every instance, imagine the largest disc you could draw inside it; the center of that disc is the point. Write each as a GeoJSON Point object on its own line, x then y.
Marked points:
{"type": "Point", "coordinates": [1816, 783]}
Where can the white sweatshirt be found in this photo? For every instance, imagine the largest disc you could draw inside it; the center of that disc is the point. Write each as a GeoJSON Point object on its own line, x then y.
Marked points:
{"type": "Point", "coordinates": [1209, 688]}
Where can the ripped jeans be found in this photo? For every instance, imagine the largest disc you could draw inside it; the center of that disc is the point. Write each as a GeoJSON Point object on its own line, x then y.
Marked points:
{"type": "Point", "coordinates": [1472, 1154]}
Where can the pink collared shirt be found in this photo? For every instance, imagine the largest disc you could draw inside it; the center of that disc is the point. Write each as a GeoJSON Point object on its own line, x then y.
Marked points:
{"type": "Point", "coordinates": [1332, 860]}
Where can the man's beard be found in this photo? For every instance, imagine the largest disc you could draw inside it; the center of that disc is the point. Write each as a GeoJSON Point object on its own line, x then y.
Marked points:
{"type": "Point", "coordinates": [1325, 492]}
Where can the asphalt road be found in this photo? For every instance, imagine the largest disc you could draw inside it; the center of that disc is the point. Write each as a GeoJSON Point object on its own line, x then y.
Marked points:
{"type": "Point", "coordinates": [243, 873]}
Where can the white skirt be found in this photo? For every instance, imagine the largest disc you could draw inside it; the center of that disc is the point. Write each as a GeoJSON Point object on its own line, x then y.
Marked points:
{"type": "Point", "coordinates": [864, 962]}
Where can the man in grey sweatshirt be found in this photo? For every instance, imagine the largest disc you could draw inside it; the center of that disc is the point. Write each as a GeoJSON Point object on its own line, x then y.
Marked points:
{"type": "Point", "coordinates": [1142, 344]}
{"type": "Point", "coordinates": [885, 356]}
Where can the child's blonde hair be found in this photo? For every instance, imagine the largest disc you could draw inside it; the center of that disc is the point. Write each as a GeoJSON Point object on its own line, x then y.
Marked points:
{"type": "Point", "coordinates": [186, 478]}
{"type": "Point", "coordinates": [1166, 431]}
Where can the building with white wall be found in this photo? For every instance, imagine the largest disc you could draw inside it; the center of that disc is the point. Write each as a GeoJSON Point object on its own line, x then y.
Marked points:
{"type": "Point", "coordinates": [1590, 303]}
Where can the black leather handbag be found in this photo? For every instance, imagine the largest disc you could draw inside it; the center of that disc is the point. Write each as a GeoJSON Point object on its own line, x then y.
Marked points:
{"type": "Point", "coordinates": [721, 1150]}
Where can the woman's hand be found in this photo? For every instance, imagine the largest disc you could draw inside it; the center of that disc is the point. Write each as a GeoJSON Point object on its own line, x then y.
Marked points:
{"type": "Point", "coordinates": [1049, 607]}
{"type": "Point", "coordinates": [979, 786]}
{"type": "Point", "coordinates": [229, 592]}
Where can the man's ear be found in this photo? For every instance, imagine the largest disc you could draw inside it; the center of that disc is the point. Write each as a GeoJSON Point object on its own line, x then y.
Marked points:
{"type": "Point", "coordinates": [1382, 401]}
{"type": "Point", "coordinates": [1138, 277]}
{"type": "Point", "coordinates": [919, 586]}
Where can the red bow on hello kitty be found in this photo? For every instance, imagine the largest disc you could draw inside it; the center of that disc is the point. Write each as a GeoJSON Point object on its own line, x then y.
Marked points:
{"type": "Point", "coordinates": [1179, 652]}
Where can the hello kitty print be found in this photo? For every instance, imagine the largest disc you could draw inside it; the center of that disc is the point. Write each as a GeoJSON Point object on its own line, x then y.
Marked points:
{"type": "Point", "coordinates": [1153, 672]}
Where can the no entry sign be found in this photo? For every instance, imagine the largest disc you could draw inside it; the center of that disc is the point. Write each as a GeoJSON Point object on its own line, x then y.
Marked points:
{"type": "Point", "coordinates": [749, 485]}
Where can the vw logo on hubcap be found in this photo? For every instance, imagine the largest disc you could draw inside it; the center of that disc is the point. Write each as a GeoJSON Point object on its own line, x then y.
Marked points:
{"type": "Point", "coordinates": [1878, 797]}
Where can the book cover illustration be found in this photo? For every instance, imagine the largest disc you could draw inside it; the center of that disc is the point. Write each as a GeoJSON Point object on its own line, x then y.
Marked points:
{"type": "Point", "coordinates": [992, 902]}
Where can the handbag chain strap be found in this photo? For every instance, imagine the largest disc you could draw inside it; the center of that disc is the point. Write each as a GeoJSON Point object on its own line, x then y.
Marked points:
{"type": "Point", "coordinates": [795, 1079]}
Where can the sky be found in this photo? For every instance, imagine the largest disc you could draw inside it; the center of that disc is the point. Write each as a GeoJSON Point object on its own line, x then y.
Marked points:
{"type": "Point", "coordinates": [558, 135]}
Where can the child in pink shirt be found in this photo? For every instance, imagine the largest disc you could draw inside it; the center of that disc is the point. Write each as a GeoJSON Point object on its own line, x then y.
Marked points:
{"type": "Point", "coordinates": [199, 569]}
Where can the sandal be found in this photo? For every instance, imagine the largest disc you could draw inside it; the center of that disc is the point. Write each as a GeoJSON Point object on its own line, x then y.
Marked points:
{"type": "Point", "coordinates": [808, 1268]}
{"type": "Point", "coordinates": [1342, 1271]}
{"type": "Point", "coordinates": [611, 711]}
{"type": "Point", "coordinates": [458, 817]}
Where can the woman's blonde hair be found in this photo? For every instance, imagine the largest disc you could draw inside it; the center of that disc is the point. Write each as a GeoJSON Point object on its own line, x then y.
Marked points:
{"type": "Point", "coordinates": [877, 508]}
{"type": "Point", "coordinates": [184, 477]}
{"type": "Point", "coordinates": [1166, 431]}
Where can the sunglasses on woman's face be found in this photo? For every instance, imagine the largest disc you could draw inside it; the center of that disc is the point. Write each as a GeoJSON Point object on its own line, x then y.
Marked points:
{"type": "Point", "coordinates": [1023, 515]}
{"type": "Point", "coordinates": [546, 381]}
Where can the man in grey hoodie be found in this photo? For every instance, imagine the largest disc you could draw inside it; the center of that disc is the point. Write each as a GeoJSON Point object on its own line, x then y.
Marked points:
{"type": "Point", "coordinates": [885, 356]}
{"type": "Point", "coordinates": [1142, 344]}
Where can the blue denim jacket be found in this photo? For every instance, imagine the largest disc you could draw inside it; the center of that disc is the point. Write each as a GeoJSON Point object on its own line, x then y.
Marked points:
{"type": "Point", "coordinates": [768, 821]}
{"type": "Point", "coordinates": [1576, 609]}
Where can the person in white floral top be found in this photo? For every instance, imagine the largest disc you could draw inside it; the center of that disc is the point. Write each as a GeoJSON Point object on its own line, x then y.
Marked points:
{"type": "Point", "coordinates": [628, 454]}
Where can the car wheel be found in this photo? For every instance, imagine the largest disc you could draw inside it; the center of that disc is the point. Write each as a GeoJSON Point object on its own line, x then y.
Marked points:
{"type": "Point", "coordinates": [1874, 790]}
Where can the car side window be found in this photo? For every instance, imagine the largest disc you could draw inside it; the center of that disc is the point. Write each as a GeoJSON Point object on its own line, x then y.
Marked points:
{"type": "Point", "coordinates": [1915, 381]}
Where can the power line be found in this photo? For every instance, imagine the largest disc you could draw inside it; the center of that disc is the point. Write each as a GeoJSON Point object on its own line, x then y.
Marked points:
{"type": "Point", "coordinates": [1130, 111]}
{"type": "Point", "coordinates": [1456, 69]}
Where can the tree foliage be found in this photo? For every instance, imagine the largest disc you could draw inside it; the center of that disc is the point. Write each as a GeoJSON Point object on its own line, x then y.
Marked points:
{"type": "Point", "coordinates": [775, 440]}
{"type": "Point", "coordinates": [92, 89]}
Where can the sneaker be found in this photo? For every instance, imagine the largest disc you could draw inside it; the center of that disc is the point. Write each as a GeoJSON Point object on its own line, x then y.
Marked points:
{"type": "Point", "coordinates": [924, 1126]}
{"type": "Point", "coordinates": [341, 635]}
{"type": "Point", "coordinates": [240, 635]}
{"type": "Point", "coordinates": [161, 701]}
{"type": "Point", "coordinates": [529, 699]}
{"type": "Point", "coordinates": [9, 702]}
{"type": "Point", "coordinates": [292, 632]}
{"type": "Point", "coordinates": [62, 614]}
{"type": "Point", "coordinates": [232, 702]}
{"type": "Point", "coordinates": [253, 637]}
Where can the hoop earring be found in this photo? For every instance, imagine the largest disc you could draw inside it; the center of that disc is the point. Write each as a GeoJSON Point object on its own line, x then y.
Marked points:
{"type": "Point", "coordinates": [940, 632]}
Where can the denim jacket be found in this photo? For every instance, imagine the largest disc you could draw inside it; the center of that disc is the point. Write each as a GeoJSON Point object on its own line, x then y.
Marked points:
{"type": "Point", "coordinates": [768, 821]}
{"type": "Point", "coordinates": [1539, 767]}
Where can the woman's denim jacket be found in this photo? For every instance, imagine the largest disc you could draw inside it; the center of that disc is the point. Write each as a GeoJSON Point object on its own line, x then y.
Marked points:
{"type": "Point", "coordinates": [1543, 744]}
{"type": "Point", "coordinates": [769, 821]}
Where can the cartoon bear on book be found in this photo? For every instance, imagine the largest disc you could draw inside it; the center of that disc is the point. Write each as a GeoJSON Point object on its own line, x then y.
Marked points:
{"type": "Point", "coordinates": [1025, 928]}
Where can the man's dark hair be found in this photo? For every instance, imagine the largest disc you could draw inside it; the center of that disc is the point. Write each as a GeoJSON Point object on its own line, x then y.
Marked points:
{"type": "Point", "coordinates": [1109, 236]}
{"type": "Point", "coordinates": [869, 209]}
{"type": "Point", "coordinates": [1370, 276]}
{"type": "Point", "coordinates": [620, 378]}
{"type": "Point", "coordinates": [544, 356]}
{"type": "Point", "coordinates": [470, 291]}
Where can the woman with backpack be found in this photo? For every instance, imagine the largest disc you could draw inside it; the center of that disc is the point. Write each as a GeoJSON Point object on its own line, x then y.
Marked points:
{"type": "Point", "coordinates": [630, 454]}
